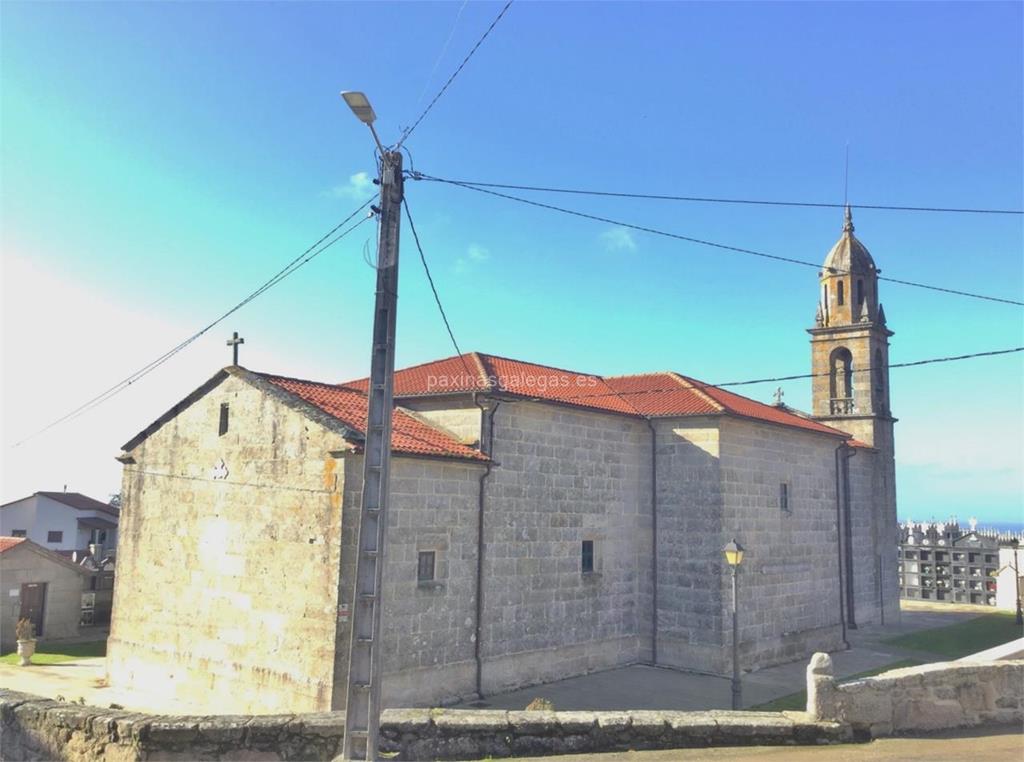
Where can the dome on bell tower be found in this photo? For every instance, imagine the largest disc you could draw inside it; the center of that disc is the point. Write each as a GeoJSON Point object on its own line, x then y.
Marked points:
{"type": "Point", "coordinates": [849, 255]}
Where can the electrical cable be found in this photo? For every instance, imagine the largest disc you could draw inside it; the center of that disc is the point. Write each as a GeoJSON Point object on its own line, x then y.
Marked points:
{"type": "Point", "coordinates": [702, 242]}
{"type": "Point", "coordinates": [712, 200]}
{"type": "Point", "coordinates": [433, 288]}
{"type": "Point", "coordinates": [303, 258]}
{"type": "Point", "coordinates": [408, 130]}
{"type": "Point", "coordinates": [774, 379]}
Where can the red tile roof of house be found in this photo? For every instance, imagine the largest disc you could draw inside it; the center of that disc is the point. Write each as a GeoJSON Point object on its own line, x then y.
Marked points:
{"type": "Point", "coordinates": [6, 543]}
{"type": "Point", "coordinates": [408, 434]}
{"type": "Point", "coordinates": [649, 395]}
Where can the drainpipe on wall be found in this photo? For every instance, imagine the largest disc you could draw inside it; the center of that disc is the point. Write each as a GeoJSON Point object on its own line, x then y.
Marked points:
{"type": "Point", "coordinates": [839, 542]}
{"type": "Point", "coordinates": [848, 452]}
{"type": "Point", "coordinates": [478, 630]}
{"type": "Point", "coordinates": [654, 543]}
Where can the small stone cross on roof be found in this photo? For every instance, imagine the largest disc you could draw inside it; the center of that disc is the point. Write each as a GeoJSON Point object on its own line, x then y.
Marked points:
{"type": "Point", "coordinates": [233, 342]}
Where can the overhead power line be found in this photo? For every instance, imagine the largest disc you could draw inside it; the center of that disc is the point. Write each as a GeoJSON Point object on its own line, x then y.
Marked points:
{"type": "Point", "coordinates": [796, 377]}
{"type": "Point", "coordinates": [700, 241]}
{"type": "Point", "coordinates": [408, 130]}
{"type": "Point", "coordinates": [444, 49]}
{"type": "Point", "coordinates": [433, 288]}
{"type": "Point", "coordinates": [309, 254]}
{"type": "Point", "coordinates": [713, 200]}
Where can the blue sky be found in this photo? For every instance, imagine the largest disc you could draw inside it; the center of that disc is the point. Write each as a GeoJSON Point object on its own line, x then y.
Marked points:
{"type": "Point", "coordinates": [161, 160]}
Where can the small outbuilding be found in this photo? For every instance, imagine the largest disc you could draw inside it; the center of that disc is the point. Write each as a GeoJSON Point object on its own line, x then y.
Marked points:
{"type": "Point", "coordinates": [39, 585]}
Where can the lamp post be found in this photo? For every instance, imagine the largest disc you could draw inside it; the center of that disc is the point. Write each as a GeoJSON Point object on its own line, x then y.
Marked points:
{"type": "Point", "coordinates": [733, 553]}
{"type": "Point", "coordinates": [362, 708]}
{"type": "Point", "coordinates": [1015, 543]}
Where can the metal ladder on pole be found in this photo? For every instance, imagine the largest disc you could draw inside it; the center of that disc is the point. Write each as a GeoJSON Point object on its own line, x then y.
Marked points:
{"type": "Point", "coordinates": [362, 709]}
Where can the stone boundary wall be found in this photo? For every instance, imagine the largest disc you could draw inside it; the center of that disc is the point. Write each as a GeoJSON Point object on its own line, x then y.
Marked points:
{"type": "Point", "coordinates": [35, 728]}
{"type": "Point", "coordinates": [455, 734]}
{"type": "Point", "coordinates": [929, 697]}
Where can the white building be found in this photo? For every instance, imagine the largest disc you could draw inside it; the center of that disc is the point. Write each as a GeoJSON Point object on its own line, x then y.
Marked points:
{"type": "Point", "coordinates": [62, 521]}
{"type": "Point", "coordinates": [1011, 564]}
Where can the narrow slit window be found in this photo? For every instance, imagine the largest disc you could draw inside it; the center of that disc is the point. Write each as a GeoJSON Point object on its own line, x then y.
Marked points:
{"type": "Point", "coordinates": [784, 496]}
{"type": "Point", "coordinates": [839, 294]}
{"type": "Point", "coordinates": [223, 428]}
{"type": "Point", "coordinates": [587, 560]}
{"type": "Point", "coordinates": [860, 291]}
{"type": "Point", "coordinates": [425, 569]}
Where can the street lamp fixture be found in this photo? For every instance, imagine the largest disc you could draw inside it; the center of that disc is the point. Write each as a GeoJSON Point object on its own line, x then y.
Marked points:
{"type": "Point", "coordinates": [360, 105]}
{"type": "Point", "coordinates": [733, 553]}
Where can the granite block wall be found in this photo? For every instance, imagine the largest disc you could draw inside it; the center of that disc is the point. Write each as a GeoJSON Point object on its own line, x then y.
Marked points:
{"type": "Point", "coordinates": [563, 476]}
{"type": "Point", "coordinates": [789, 579]}
{"type": "Point", "coordinates": [226, 591]}
{"type": "Point", "coordinates": [428, 627]}
{"type": "Point", "coordinates": [690, 603]}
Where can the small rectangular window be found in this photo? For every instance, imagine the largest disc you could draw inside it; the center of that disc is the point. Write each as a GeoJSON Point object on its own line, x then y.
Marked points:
{"type": "Point", "coordinates": [839, 293]}
{"type": "Point", "coordinates": [784, 496]}
{"type": "Point", "coordinates": [587, 561]}
{"type": "Point", "coordinates": [55, 537]}
{"type": "Point", "coordinates": [18, 533]}
{"type": "Point", "coordinates": [425, 570]}
{"type": "Point", "coordinates": [223, 419]}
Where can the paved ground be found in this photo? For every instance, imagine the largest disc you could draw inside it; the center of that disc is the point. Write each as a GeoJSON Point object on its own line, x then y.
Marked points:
{"type": "Point", "coordinates": [637, 687]}
{"type": "Point", "coordinates": [642, 687]}
{"type": "Point", "coordinates": [85, 679]}
{"type": "Point", "coordinates": [1002, 744]}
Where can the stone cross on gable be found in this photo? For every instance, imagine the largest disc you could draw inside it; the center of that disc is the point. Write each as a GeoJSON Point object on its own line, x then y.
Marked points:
{"type": "Point", "coordinates": [233, 342]}
{"type": "Point", "coordinates": [778, 397]}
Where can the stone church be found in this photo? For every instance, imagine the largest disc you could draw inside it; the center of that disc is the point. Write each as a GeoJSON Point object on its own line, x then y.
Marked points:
{"type": "Point", "coordinates": [543, 523]}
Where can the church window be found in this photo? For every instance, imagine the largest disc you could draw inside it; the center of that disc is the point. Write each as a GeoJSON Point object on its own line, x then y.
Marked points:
{"type": "Point", "coordinates": [879, 375]}
{"type": "Point", "coordinates": [425, 570]}
{"type": "Point", "coordinates": [860, 291]}
{"type": "Point", "coordinates": [223, 428]}
{"type": "Point", "coordinates": [784, 497]}
{"type": "Point", "coordinates": [587, 563]}
{"type": "Point", "coordinates": [18, 533]}
{"type": "Point", "coordinates": [52, 536]}
{"type": "Point", "coordinates": [839, 294]}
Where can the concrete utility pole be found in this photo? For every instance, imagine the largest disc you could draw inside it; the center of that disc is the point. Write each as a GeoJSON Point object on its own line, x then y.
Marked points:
{"type": "Point", "coordinates": [362, 709]}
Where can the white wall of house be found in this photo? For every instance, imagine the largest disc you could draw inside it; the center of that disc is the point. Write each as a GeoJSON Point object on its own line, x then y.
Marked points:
{"type": "Point", "coordinates": [1006, 585]}
{"type": "Point", "coordinates": [38, 516]}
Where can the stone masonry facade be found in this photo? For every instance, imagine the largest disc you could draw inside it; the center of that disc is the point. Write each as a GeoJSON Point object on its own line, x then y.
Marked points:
{"type": "Point", "coordinates": [568, 528]}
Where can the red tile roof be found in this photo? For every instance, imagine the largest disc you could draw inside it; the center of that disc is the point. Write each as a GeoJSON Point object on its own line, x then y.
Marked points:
{"type": "Point", "coordinates": [6, 543]}
{"type": "Point", "coordinates": [408, 434]}
{"type": "Point", "coordinates": [649, 395]}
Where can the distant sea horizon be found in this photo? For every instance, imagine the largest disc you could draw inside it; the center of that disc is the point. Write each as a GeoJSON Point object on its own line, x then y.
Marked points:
{"type": "Point", "coordinates": [999, 526]}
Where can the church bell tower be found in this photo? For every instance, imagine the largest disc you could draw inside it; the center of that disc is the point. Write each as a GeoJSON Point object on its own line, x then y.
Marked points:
{"type": "Point", "coordinates": [850, 345]}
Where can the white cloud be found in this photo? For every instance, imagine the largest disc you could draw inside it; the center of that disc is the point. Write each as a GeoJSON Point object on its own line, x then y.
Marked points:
{"type": "Point", "coordinates": [359, 187]}
{"type": "Point", "coordinates": [475, 254]}
{"type": "Point", "coordinates": [618, 239]}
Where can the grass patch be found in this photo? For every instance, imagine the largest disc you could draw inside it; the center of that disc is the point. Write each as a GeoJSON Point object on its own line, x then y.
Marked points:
{"type": "Point", "coordinates": [55, 653]}
{"type": "Point", "coordinates": [797, 702]}
{"type": "Point", "coordinates": [964, 638]}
